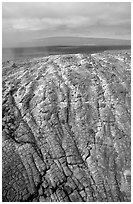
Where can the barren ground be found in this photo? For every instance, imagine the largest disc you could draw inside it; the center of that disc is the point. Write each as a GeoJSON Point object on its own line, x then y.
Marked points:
{"type": "Point", "coordinates": [66, 128]}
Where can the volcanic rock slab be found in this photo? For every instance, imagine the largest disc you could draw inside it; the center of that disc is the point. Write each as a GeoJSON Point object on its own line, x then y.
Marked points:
{"type": "Point", "coordinates": [66, 128]}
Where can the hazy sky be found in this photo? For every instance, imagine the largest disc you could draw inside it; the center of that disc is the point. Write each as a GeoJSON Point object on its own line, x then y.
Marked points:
{"type": "Point", "coordinates": [30, 21]}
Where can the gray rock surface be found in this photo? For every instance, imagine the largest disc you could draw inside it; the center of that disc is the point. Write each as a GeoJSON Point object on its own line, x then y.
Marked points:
{"type": "Point", "coordinates": [66, 128]}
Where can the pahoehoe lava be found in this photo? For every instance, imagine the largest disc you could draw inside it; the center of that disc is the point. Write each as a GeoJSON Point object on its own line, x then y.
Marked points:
{"type": "Point", "coordinates": [66, 132]}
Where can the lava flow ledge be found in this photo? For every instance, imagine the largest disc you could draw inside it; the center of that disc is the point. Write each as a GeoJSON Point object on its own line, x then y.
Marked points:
{"type": "Point", "coordinates": [66, 128]}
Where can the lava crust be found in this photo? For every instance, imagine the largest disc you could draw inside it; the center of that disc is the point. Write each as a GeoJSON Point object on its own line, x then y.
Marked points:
{"type": "Point", "coordinates": [66, 128]}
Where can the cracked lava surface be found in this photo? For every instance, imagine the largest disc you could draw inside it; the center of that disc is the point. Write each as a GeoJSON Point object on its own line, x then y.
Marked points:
{"type": "Point", "coordinates": [66, 131]}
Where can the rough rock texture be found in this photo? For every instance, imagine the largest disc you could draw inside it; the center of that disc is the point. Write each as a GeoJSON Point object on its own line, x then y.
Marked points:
{"type": "Point", "coordinates": [66, 128]}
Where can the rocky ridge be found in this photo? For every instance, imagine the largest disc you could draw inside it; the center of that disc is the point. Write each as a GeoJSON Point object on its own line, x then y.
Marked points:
{"type": "Point", "coordinates": [66, 128]}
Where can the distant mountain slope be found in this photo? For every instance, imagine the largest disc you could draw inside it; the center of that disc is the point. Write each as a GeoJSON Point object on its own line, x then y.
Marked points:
{"type": "Point", "coordinates": [76, 41]}
{"type": "Point", "coordinates": [72, 41]}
